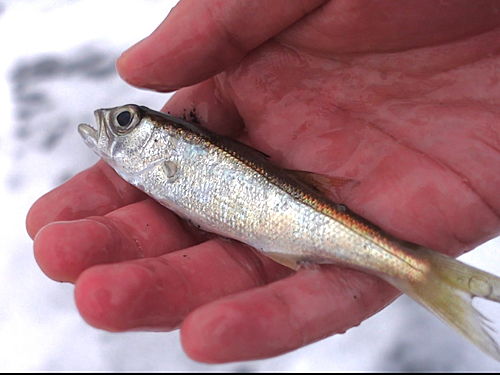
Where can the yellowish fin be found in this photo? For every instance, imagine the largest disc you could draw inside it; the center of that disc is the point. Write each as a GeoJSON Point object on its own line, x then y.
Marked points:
{"type": "Point", "coordinates": [447, 289]}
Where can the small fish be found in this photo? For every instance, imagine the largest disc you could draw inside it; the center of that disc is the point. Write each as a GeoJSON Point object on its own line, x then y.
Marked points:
{"type": "Point", "coordinates": [225, 187]}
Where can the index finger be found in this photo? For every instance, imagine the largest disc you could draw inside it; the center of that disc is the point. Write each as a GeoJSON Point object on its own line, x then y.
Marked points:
{"type": "Point", "coordinates": [201, 38]}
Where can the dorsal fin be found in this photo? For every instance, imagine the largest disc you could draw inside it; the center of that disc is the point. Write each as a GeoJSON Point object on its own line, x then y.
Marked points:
{"type": "Point", "coordinates": [330, 186]}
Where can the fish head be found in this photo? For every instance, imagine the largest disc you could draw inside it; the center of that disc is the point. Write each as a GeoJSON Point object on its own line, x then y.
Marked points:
{"type": "Point", "coordinates": [121, 138]}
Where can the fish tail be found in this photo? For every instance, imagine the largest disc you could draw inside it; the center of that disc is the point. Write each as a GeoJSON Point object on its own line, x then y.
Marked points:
{"type": "Point", "coordinates": [447, 288]}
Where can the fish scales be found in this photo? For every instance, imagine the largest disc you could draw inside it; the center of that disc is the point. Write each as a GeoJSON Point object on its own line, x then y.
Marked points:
{"type": "Point", "coordinates": [239, 195]}
{"type": "Point", "coordinates": [227, 188]}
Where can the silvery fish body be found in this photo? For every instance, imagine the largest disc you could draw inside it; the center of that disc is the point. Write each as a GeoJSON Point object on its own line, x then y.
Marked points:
{"type": "Point", "coordinates": [225, 187]}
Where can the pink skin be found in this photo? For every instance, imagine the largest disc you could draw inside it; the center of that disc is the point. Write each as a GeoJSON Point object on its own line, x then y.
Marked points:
{"type": "Point", "coordinates": [403, 97]}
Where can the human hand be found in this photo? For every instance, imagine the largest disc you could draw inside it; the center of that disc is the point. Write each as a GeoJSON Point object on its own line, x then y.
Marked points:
{"type": "Point", "coordinates": [402, 97]}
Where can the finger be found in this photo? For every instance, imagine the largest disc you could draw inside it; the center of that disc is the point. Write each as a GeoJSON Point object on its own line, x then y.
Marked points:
{"type": "Point", "coordinates": [95, 191]}
{"type": "Point", "coordinates": [284, 315]}
{"type": "Point", "coordinates": [208, 104]}
{"type": "Point", "coordinates": [201, 38]}
{"type": "Point", "coordinates": [63, 250]}
{"type": "Point", "coordinates": [158, 293]}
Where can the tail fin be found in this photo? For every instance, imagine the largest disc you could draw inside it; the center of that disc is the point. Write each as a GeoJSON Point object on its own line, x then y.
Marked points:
{"type": "Point", "coordinates": [448, 289]}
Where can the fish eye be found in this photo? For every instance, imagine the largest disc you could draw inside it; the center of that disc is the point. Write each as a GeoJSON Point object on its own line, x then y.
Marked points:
{"type": "Point", "coordinates": [125, 119]}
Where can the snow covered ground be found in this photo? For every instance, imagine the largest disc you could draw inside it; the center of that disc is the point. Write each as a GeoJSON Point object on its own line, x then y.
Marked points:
{"type": "Point", "coordinates": [57, 66]}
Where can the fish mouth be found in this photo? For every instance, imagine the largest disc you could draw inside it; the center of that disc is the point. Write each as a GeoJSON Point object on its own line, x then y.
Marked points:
{"type": "Point", "coordinates": [89, 134]}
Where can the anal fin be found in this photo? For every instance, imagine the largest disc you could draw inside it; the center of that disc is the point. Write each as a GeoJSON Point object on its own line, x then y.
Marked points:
{"type": "Point", "coordinates": [293, 262]}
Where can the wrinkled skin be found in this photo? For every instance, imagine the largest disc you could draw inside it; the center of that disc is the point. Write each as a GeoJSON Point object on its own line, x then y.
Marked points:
{"type": "Point", "coordinates": [403, 97]}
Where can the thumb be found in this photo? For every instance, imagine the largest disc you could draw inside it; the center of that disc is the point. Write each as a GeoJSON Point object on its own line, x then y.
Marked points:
{"type": "Point", "coordinates": [201, 38]}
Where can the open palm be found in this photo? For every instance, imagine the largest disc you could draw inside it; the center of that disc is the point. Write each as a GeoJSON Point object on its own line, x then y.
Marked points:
{"type": "Point", "coordinates": [408, 109]}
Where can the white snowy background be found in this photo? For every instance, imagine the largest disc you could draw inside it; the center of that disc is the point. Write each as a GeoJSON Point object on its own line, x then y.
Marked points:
{"type": "Point", "coordinates": [57, 66]}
